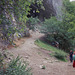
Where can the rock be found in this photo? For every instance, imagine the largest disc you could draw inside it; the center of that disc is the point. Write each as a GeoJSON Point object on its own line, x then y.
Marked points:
{"type": "Point", "coordinates": [44, 61]}
{"type": "Point", "coordinates": [47, 58]}
{"type": "Point", "coordinates": [49, 10]}
{"type": "Point", "coordinates": [52, 8]}
{"type": "Point", "coordinates": [26, 57]}
{"type": "Point", "coordinates": [42, 66]}
{"type": "Point", "coordinates": [56, 60]}
{"type": "Point", "coordinates": [28, 60]}
{"type": "Point", "coordinates": [50, 61]}
{"type": "Point", "coordinates": [58, 5]}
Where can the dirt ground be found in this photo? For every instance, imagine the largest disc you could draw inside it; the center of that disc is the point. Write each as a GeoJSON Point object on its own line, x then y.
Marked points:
{"type": "Point", "coordinates": [38, 57]}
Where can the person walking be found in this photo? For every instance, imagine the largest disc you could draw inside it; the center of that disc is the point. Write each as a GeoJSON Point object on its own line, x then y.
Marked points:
{"type": "Point", "coordinates": [71, 55]}
{"type": "Point", "coordinates": [74, 59]}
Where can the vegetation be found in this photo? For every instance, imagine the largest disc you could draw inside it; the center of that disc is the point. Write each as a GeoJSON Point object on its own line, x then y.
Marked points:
{"type": "Point", "coordinates": [31, 23]}
{"type": "Point", "coordinates": [13, 19]}
{"type": "Point", "coordinates": [62, 31]}
{"type": "Point", "coordinates": [43, 67]}
{"type": "Point", "coordinates": [73, 2]}
{"type": "Point", "coordinates": [16, 67]}
{"type": "Point", "coordinates": [14, 16]}
{"type": "Point", "coordinates": [69, 6]}
{"type": "Point", "coordinates": [61, 55]}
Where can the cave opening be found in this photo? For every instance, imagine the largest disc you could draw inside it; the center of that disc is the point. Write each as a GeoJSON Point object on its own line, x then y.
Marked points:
{"type": "Point", "coordinates": [33, 12]}
{"type": "Point", "coordinates": [42, 14]}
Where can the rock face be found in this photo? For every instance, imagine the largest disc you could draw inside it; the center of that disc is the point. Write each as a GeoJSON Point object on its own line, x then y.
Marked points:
{"type": "Point", "coordinates": [58, 6]}
{"type": "Point", "coordinates": [52, 8]}
{"type": "Point", "coordinates": [49, 9]}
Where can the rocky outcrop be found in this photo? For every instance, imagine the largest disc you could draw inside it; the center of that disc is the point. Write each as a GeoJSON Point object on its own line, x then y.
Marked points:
{"type": "Point", "coordinates": [52, 8]}
{"type": "Point", "coordinates": [58, 7]}
{"type": "Point", "coordinates": [49, 10]}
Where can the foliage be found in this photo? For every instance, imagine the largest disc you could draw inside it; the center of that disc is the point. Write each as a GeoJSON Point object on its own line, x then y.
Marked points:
{"type": "Point", "coordinates": [49, 24]}
{"type": "Point", "coordinates": [32, 22]}
{"type": "Point", "coordinates": [61, 31]}
{"type": "Point", "coordinates": [73, 2]}
{"type": "Point", "coordinates": [61, 55]}
{"type": "Point", "coordinates": [69, 6]}
{"type": "Point", "coordinates": [14, 16]}
{"type": "Point", "coordinates": [16, 67]}
{"type": "Point", "coordinates": [43, 67]}
{"type": "Point", "coordinates": [50, 27]}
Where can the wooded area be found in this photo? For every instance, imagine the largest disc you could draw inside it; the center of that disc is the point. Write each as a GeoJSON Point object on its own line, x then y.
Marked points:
{"type": "Point", "coordinates": [13, 18]}
{"type": "Point", "coordinates": [18, 17]}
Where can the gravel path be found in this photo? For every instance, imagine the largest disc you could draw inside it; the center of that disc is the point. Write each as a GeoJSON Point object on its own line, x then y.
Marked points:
{"type": "Point", "coordinates": [38, 57]}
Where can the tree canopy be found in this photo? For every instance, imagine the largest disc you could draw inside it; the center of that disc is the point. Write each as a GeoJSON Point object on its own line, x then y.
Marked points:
{"type": "Point", "coordinates": [14, 16]}
{"type": "Point", "coordinates": [62, 31]}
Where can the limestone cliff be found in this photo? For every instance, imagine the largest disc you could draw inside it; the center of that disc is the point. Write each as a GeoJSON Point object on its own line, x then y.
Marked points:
{"type": "Point", "coordinates": [52, 8]}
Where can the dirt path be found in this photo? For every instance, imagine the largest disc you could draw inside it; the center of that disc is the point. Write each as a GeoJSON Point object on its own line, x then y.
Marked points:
{"type": "Point", "coordinates": [38, 57]}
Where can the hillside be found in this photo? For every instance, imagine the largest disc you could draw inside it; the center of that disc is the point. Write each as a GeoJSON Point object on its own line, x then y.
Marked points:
{"type": "Point", "coordinates": [38, 57]}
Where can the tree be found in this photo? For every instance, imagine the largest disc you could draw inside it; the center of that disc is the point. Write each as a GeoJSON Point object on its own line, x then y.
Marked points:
{"type": "Point", "coordinates": [69, 6]}
{"type": "Point", "coordinates": [61, 31]}
{"type": "Point", "coordinates": [14, 16]}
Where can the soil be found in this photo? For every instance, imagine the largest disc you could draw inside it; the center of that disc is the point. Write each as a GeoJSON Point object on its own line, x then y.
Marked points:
{"type": "Point", "coordinates": [37, 57]}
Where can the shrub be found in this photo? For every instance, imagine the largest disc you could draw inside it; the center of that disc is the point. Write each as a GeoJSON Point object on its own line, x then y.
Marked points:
{"type": "Point", "coordinates": [32, 22]}
{"type": "Point", "coordinates": [43, 67]}
{"type": "Point", "coordinates": [60, 31]}
{"type": "Point", "coordinates": [16, 67]}
{"type": "Point", "coordinates": [60, 55]}
{"type": "Point", "coordinates": [69, 6]}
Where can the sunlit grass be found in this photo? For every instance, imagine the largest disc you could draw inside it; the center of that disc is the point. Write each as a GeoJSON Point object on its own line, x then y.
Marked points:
{"type": "Point", "coordinates": [60, 54]}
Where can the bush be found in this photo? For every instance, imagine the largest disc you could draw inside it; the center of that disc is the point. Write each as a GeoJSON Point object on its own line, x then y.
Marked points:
{"type": "Point", "coordinates": [60, 55]}
{"type": "Point", "coordinates": [60, 31]}
{"type": "Point", "coordinates": [16, 67]}
{"type": "Point", "coordinates": [43, 67]}
{"type": "Point", "coordinates": [69, 6]}
{"type": "Point", "coordinates": [32, 22]}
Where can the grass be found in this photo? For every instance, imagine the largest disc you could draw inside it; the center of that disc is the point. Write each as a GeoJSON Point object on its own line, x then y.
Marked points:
{"type": "Point", "coordinates": [16, 67]}
{"type": "Point", "coordinates": [59, 54]}
{"type": "Point", "coordinates": [43, 67]}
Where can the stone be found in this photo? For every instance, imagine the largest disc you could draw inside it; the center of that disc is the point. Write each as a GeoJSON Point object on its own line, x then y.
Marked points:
{"type": "Point", "coordinates": [56, 60]}
{"type": "Point", "coordinates": [26, 57]}
{"type": "Point", "coordinates": [50, 61]}
{"type": "Point", "coordinates": [44, 61]}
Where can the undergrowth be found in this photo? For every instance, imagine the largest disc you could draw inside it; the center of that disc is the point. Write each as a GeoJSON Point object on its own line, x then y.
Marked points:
{"type": "Point", "coordinates": [16, 67]}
